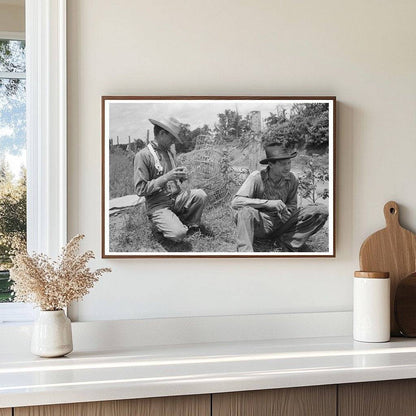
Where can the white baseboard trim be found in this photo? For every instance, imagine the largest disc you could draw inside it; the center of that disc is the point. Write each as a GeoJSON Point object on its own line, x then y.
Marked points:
{"type": "Point", "coordinates": [104, 335]}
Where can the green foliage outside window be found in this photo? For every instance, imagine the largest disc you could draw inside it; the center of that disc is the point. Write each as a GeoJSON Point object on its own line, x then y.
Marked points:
{"type": "Point", "coordinates": [12, 223]}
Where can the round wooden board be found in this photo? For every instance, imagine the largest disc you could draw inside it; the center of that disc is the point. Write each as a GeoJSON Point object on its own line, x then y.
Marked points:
{"type": "Point", "coordinates": [405, 306]}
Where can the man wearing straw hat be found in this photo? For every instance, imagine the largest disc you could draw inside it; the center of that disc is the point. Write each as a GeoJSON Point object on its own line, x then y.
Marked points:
{"type": "Point", "coordinates": [266, 205]}
{"type": "Point", "coordinates": [158, 178]}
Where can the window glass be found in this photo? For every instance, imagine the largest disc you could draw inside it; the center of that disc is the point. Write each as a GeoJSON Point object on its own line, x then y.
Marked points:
{"type": "Point", "coordinates": [12, 156]}
{"type": "Point", "coordinates": [12, 56]}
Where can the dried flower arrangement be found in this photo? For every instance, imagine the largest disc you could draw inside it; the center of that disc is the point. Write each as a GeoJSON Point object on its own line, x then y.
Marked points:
{"type": "Point", "coordinates": [53, 285]}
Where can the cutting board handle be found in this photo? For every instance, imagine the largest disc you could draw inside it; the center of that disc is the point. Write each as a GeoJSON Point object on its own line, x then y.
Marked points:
{"type": "Point", "coordinates": [391, 214]}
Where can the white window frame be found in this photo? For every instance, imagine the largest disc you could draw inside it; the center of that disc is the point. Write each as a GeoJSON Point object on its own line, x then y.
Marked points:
{"type": "Point", "coordinates": [46, 127]}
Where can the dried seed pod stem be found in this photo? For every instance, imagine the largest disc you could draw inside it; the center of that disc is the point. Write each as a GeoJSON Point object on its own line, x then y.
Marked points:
{"type": "Point", "coordinates": [53, 285]}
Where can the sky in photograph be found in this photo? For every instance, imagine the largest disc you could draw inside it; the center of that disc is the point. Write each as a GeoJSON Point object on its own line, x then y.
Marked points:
{"type": "Point", "coordinates": [130, 118]}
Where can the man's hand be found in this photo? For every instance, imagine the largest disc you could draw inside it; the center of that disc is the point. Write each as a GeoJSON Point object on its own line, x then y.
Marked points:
{"type": "Point", "coordinates": [180, 173]}
{"type": "Point", "coordinates": [276, 205]}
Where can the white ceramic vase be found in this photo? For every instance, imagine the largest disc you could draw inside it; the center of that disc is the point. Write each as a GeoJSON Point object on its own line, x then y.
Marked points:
{"type": "Point", "coordinates": [52, 334]}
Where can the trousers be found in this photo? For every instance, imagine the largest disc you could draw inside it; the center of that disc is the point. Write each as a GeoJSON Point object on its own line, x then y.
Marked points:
{"type": "Point", "coordinates": [292, 234]}
{"type": "Point", "coordinates": [186, 211]}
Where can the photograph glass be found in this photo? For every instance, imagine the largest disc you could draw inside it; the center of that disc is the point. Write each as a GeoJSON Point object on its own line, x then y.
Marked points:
{"type": "Point", "coordinates": [218, 176]}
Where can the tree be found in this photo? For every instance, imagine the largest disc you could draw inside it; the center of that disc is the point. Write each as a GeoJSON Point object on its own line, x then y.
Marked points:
{"type": "Point", "coordinates": [229, 126]}
{"type": "Point", "coordinates": [289, 134]}
{"type": "Point", "coordinates": [312, 109]}
{"type": "Point", "coordinates": [313, 123]}
{"type": "Point", "coordinates": [12, 214]}
{"type": "Point", "coordinates": [189, 137]}
{"type": "Point", "coordinates": [274, 120]}
{"type": "Point", "coordinates": [12, 56]}
{"type": "Point", "coordinates": [6, 175]}
{"type": "Point", "coordinates": [318, 137]}
{"type": "Point", "coordinates": [307, 128]}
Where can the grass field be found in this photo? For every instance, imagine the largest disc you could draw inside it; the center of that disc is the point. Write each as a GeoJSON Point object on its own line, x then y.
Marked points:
{"type": "Point", "coordinates": [131, 231]}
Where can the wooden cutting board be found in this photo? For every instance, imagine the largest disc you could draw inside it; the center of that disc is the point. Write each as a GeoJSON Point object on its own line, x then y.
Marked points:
{"type": "Point", "coordinates": [405, 305]}
{"type": "Point", "coordinates": [393, 250]}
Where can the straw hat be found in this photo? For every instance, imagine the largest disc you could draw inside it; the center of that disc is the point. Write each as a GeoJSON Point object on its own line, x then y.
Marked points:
{"type": "Point", "coordinates": [170, 124]}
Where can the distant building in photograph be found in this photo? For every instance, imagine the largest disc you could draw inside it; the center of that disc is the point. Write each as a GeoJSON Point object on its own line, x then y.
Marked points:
{"type": "Point", "coordinates": [255, 121]}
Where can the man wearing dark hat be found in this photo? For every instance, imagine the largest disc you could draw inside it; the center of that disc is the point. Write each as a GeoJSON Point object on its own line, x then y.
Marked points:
{"type": "Point", "coordinates": [156, 177]}
{"type": "Point", "coordinates": [266, 205]}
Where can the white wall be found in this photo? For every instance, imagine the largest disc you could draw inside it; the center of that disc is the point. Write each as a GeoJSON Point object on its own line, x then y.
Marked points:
{"type": "Point", "coordinates": [361, 51]}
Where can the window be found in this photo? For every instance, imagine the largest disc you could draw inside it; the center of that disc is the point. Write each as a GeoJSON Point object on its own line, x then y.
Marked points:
{"type": "Point", "coordinates": [12, 153]}
{"type": "Point", "coordinates": [45, 27]}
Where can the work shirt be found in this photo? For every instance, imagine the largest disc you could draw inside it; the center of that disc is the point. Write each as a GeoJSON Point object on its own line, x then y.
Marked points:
{"type": "Point", "coordinates": [259, 188]}
{"type": "Point", "coordinates": [148, 181]}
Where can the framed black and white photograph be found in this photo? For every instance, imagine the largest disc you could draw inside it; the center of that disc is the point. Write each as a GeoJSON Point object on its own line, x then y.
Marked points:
{"type": "Point", "coordinates": [218, 176]}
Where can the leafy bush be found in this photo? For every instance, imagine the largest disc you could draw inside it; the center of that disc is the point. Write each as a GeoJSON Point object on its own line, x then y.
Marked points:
{"type": "Point", "coordinates": [313, 173]}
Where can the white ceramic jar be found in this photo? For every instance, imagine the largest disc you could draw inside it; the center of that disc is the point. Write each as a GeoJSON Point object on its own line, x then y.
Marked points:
{"type": "Point", "coordinates": [371, 307]}
{"type": "Point", "coordinates": [52, 334]}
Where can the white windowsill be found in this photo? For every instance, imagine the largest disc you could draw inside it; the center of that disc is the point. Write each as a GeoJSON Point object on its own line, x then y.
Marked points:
{"type": "Point", "coordinates": [16, 313]}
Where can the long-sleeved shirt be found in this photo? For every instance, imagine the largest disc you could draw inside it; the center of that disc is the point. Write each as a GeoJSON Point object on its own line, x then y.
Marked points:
{"type": "Point", "coordinates": [148, 180]}
{"type": "Point", "coordinates": [259, 188]}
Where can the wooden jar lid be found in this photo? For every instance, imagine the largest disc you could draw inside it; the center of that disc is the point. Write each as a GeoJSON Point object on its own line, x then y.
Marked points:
{"type": "Point", "coordinates": [372, 275]}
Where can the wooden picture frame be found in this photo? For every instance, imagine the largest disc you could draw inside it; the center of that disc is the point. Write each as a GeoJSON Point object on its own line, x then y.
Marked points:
{"type": "Point", "coordinates": [153, 195]}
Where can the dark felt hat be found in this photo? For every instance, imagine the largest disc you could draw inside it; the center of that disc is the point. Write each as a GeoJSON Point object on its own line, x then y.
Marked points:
{"type": "Point", "coordinates": [275, 151]}
{"type": "Point", "coordinates": [170, 124]}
